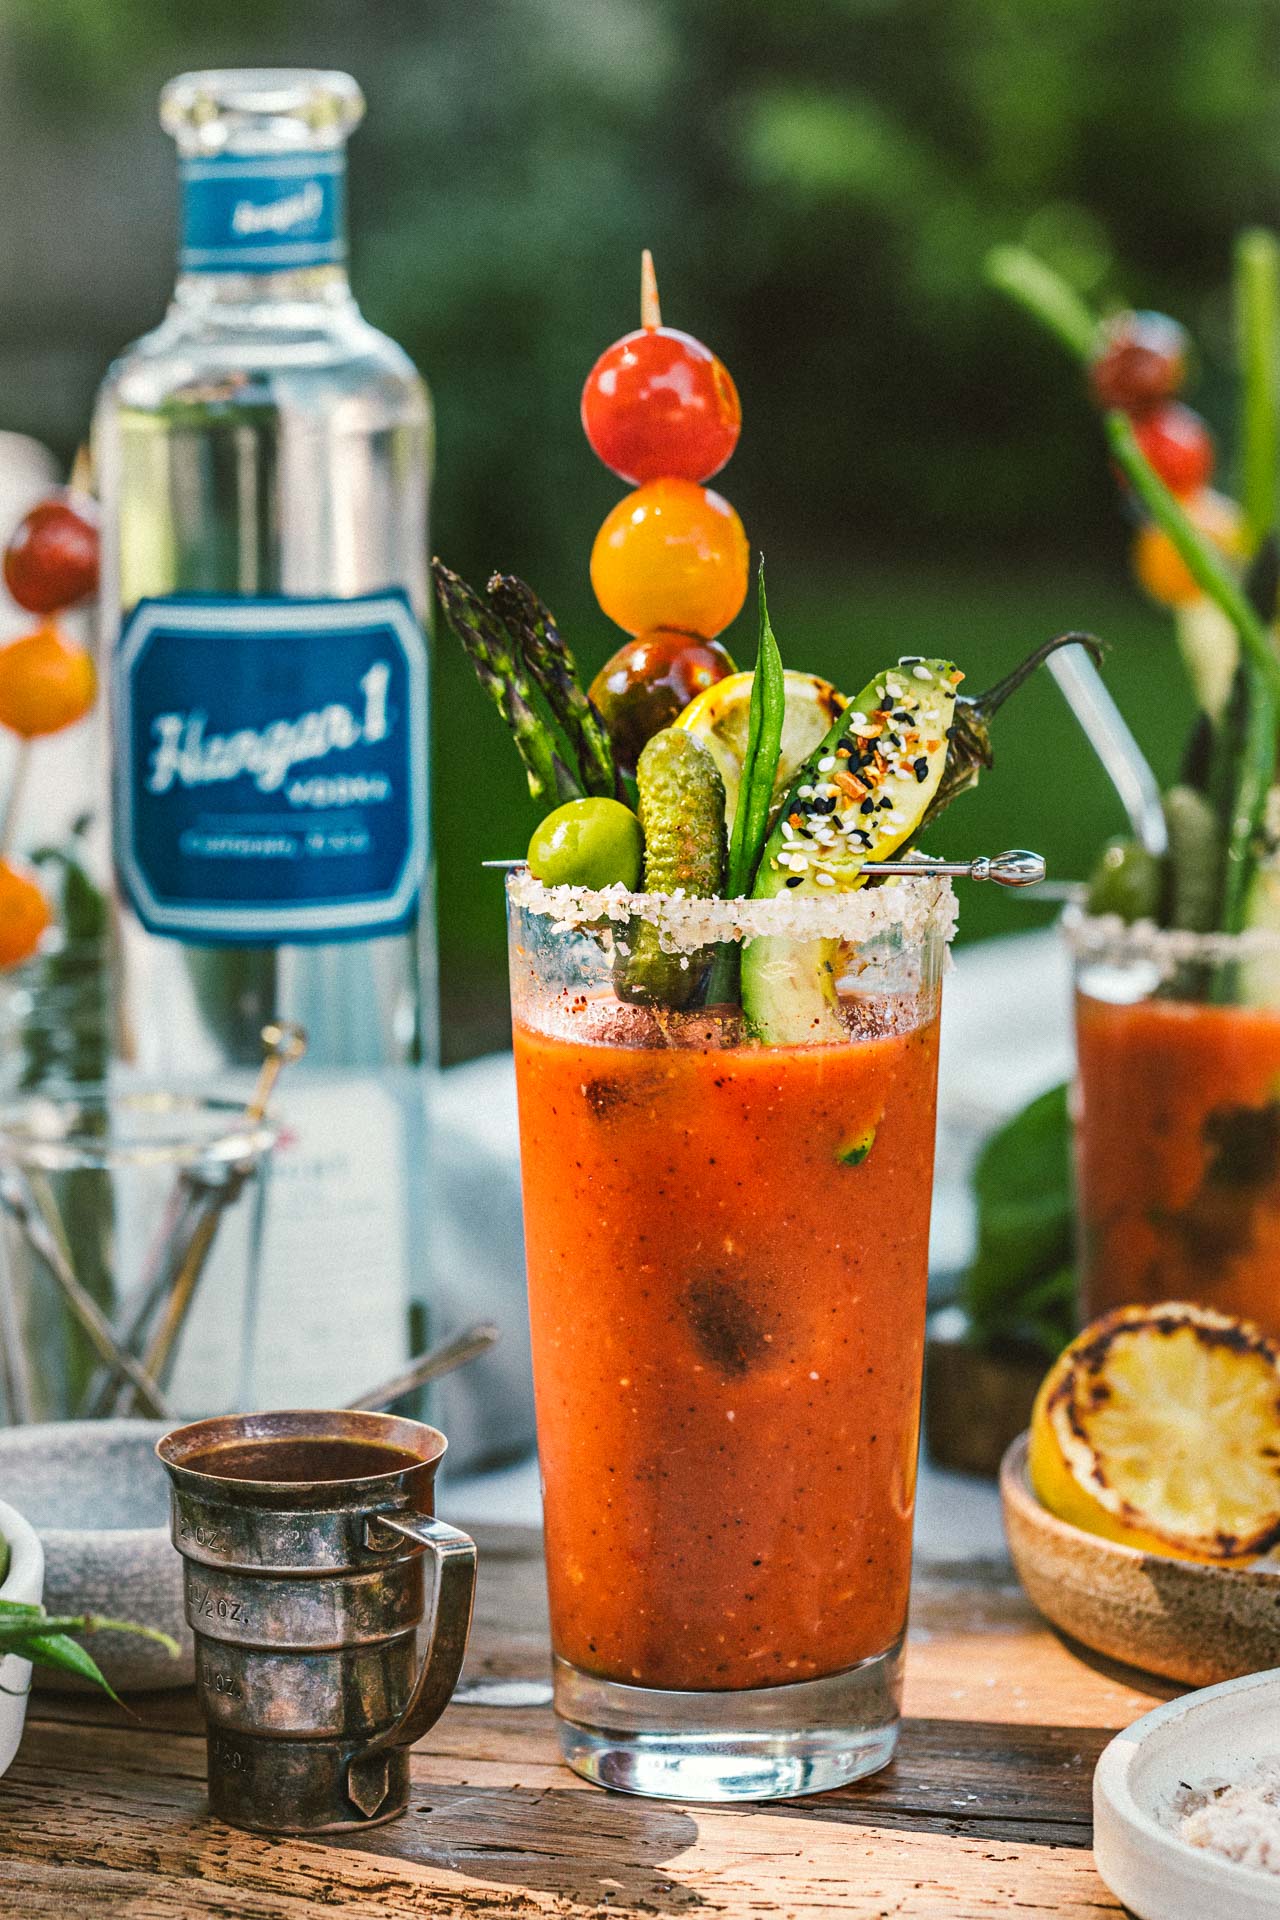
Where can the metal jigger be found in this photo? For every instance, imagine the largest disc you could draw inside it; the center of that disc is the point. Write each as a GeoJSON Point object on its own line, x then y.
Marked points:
{"type": "Point", "coordinates": [305, 1598]}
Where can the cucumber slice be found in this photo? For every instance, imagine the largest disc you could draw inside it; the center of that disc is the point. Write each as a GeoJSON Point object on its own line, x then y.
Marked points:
{"type": "Point", "coordinates": [858, 797]}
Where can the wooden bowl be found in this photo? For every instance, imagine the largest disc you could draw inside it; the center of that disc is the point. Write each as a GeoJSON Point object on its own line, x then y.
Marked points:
{"type": "Point", "coordinates": [1180, 1618]}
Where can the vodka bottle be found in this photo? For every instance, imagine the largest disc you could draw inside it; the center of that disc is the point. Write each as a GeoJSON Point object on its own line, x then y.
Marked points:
{"type": "Point", "coordinates": [262, 458]}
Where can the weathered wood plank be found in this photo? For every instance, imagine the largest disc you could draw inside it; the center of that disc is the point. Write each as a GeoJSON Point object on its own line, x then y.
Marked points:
{"type": "Point", "coordinates": [142, 1840]}
{"type": "Point", "coordinates": [986, 1807]}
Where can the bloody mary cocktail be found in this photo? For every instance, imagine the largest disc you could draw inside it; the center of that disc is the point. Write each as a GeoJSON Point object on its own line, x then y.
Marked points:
{"type": "Point", "coordinates": [727, 1253]}
{"type": "Point", "coordinates": [1177, 1137]}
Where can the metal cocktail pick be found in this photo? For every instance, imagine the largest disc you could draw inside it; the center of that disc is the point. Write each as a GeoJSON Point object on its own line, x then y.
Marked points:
{"type": "Point", "coordinates": [1016, 868]}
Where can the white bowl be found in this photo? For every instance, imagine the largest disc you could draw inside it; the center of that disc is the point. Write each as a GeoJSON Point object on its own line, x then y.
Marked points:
{"type": "Point", "coordinates": [1218, 1732]}
{"type": "Point", "coordinates": [24, 1581]}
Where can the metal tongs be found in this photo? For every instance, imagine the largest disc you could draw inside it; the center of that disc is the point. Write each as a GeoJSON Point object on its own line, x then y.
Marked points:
{"type": "Point", "coordinates": [201, 1195]}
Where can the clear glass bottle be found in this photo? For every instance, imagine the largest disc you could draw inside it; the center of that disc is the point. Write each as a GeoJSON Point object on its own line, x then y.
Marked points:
{"type": "Point", "coordinates": [263, 459]}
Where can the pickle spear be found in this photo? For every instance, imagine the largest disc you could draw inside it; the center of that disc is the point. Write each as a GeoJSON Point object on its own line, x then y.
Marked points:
{"type": "Point", "coordinates": [681, 808]}
{"type": "Point", "coordinates": [858, 797]}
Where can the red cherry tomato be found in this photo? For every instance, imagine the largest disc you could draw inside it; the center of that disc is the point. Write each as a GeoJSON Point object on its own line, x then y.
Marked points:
{"type": "Point", "coordinates": [657, 403]}
{"type": "Point", "coordinates": [51, 561]}
{"type": "Point", "coordinates": [1140, 358]}
{"type": "Point", "coordinates": [671, 554]}
{"type": "Point", "coordinates": [1178, 444]}
{"type": "Point", "coordinates": [643, 686]}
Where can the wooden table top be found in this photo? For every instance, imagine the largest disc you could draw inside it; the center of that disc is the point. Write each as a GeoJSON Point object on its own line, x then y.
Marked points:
{"type": "Point", "coordinates": [985, 1809]}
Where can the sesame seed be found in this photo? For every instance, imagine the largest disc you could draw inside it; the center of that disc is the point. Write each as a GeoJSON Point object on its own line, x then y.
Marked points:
{"type": "Point", "coordinates": [826, 763]}
{"type": "Point", "coordinates": [921, 673]}
{"type": "Point", "coordinates": [825, 879]}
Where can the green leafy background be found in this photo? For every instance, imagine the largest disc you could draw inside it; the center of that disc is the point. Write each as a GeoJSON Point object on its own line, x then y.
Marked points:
{"type": "Point", "coordinates": [820, 180]}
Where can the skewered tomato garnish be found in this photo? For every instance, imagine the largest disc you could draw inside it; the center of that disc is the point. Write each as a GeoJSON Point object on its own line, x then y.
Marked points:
{"type": "Point", "coordinates": [51, 561]}
{"type": "Point", "coordinates": [47, 682]}
{"type": "Point", "coordinates": [658, 402]}
{"type": "Point", "coordinates": [1178, 444]}
{"type": "Point", "coordinates": [1141, 358]}
{"type": "Point", "coordinates": [671, 554]}
{"type": "Point", "coordinates": [1159, 566]}
{"type": "Point", "coordinates": [25, 913]}
{"type": "Point", "coordinates": [648, 681]}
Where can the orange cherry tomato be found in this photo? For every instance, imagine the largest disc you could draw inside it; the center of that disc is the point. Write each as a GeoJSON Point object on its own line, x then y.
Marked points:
{"type": "Point", "coordinates": [46, 682]}
{"type": "Point", "coordinates": [25, 913]}
{"type": "Point", "coordinates": [1160, 568]}
{"type": "Point", "coordinates": [672, 554]}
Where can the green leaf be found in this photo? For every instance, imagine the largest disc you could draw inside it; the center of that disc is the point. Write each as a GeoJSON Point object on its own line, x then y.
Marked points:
{"type": "Point", "coordinates": [760, 762]}
{"type": "Point", "coordinates": [1019, 1285]}
{"type": "Point", "coordinates": [66, 1655]}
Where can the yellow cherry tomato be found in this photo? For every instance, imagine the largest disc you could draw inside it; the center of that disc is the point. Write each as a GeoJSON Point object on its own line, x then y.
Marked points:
{"type": "Point", "coordinates": [1160, 568]}
{"type": "Point", "coordinates": [46, 682]}
{"type": "Point", "coordinates": [24, 913]}
{"type": "Point", "coordinates": [672, 554]}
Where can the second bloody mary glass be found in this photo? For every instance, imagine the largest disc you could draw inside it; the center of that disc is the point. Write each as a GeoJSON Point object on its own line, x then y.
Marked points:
{"type": "Point", "coordinates": [1177, 1118]}
{"type": "Point", "coordinates": [727, 1255]}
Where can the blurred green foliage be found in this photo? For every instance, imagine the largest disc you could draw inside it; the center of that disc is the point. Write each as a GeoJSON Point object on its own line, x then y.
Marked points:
{"type": "Point", "coordinates": [820, 181]}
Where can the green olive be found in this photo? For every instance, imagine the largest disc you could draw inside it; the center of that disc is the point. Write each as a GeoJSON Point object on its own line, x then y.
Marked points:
{"type": "Point", "coordinates": [1126, 881]}
{"type": "Point", "coordinates": [588, 843]}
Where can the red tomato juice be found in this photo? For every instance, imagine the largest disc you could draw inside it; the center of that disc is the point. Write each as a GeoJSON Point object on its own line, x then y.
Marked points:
{"type": "Point", "coordinates": [727, 1310]}
{"type": "Point", "coordinates": [1178, 1156]}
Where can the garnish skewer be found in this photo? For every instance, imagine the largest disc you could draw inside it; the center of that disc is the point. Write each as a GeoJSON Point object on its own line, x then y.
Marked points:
{"type": "Point", "coordinates": [1017, 867]}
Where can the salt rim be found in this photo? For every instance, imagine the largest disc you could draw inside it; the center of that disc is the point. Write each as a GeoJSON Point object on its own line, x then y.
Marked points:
{"type": "Point", "coordinates": [908, 907]}
{"type": "Point", "coordinates": [1093, 936]}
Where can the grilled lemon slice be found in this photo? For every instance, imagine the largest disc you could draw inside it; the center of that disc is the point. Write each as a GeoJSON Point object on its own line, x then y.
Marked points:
{"type": "Point", "coordinates": [720, 717]}
{"type": "Point", "coordinates": [1160, 1427]}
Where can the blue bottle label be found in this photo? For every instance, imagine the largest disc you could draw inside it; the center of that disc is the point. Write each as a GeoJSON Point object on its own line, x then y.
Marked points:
{"type": "Point", "coordinates": [271, 767]}
{"type": "Point", "coordinates": [262, 213]}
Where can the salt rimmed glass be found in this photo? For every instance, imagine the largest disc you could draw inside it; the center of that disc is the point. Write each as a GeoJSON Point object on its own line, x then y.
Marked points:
{"type": "Point", "coordinates": [727, 1254]}
{"type": "Point", "coordinates": [1177, 1117]}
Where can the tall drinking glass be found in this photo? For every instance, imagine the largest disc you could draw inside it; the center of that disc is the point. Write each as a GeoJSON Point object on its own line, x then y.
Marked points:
{"type": "Point", "coordinates": [727, 1251]}
{"type": "Point", "coordinates": [1177, 1118]}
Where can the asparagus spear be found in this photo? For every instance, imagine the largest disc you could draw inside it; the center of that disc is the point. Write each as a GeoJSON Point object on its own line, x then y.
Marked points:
{"type": "Point", "coordinates": [532, 627]}
{"type": "Point", "coordinates": [503, 674]}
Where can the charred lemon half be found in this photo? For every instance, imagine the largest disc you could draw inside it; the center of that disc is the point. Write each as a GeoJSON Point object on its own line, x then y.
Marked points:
{"type": "Point", "coordinates": [1160, 1427]}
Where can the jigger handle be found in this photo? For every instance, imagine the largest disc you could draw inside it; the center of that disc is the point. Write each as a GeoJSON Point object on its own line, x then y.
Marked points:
{"type": "Point", "coordinates": [454, 1557]}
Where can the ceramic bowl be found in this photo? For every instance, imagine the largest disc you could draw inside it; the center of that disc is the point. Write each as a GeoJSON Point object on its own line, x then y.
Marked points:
{"type": "Point", "coordinates": [1215, 1734]}
{"type": "Point", "coordinates": [99, 1500]}
{"type": "Point", "coordinates": [1179, 1618]}
{"type": "Point", "coordinates": [24, 1581]}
